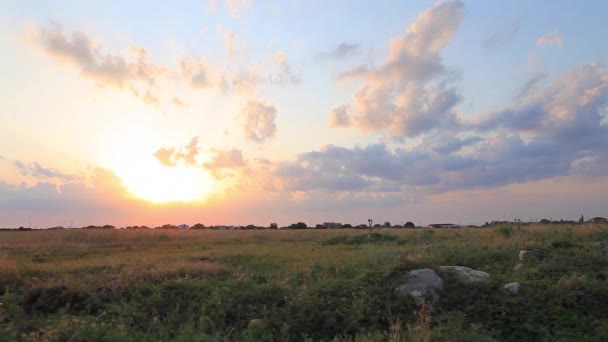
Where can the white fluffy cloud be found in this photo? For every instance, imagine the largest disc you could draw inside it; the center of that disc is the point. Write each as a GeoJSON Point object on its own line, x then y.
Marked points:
{"type": "Point", "coordinates": [402, 94]}
{"type": "Point", "coordinates": [258, 121]}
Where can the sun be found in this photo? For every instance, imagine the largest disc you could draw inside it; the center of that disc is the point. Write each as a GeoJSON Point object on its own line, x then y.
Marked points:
{"type": "Point", "coordinates": [146, 178]}
{"type": "Point", "coordinates": [159, 184]}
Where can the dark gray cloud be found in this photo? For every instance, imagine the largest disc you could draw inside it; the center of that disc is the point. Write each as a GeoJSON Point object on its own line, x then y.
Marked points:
{"type": "Point", "coordinates": [34, 169]}
{"type": "Point", "coordinates": [502, 36]}
{"type": "Point", "coordinates": [69, 200]}
{"type": "Point", "coordinates": [341, 51]}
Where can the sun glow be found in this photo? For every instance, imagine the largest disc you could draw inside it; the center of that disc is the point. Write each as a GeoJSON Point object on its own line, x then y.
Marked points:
{"type": "Point", "coordinates": [146, 178]}
{"type": "Point", "coordinates": [157, 183]}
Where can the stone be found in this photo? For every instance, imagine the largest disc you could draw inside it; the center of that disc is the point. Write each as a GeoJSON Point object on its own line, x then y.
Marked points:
{"type": "Point", "coordinates": [518, 267]}
{"type": "Point", "coordinates": [467, 275]}
{"type": "Point", "coordinates": [256, 322]}
{"type": "Point", "coordinates": [512, 288]}
{"type": "Point", "coordinates": [530, 255]}
{"type": "Point", "coordinates": [604, 246]}
{"type": "Point", "coordinates": [421, 283]}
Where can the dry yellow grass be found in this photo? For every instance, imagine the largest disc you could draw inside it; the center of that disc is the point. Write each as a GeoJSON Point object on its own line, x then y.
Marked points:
{"type": "Point", "coordinates": [9, 272]}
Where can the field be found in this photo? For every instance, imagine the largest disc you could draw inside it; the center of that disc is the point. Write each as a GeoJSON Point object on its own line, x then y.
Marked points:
{"type": "Point", "coordinates": [300, 285]}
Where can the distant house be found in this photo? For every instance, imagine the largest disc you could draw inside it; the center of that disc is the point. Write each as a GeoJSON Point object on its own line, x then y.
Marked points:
{"type": "Point", "coordinates": [443, 225]}
{"type": "Point", "coordinates": [598, 220]}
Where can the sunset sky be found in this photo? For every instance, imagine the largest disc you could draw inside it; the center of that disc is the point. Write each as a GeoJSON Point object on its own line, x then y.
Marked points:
{"type": "Point", "coordinates": [238, 111]}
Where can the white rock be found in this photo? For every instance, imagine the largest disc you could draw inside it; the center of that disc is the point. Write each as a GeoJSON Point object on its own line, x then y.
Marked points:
{"type": "Point", "coordinates": [420, 283]}
{"type": "Point", "coordinates": [512, 288]}
{"type": "Point", "coordinates": [467, 275]}
{"type": "Point", "coordinates": [518, 267]}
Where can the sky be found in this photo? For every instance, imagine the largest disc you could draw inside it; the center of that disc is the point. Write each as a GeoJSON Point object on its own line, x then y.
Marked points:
{"type": "Point", "coordinates": [244, 112]}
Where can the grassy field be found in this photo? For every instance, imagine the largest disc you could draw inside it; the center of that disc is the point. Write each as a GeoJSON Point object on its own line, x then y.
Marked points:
{"type": "Point", "coordinates": [301, 285]}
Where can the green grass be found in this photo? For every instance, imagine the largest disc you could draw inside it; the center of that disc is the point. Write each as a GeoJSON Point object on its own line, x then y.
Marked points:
{"type": "Point", "coordinates": [113, 285]}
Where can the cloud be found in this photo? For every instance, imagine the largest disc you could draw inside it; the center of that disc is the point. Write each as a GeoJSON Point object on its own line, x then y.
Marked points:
{"type": "Point", "coordinates": [177, 102]}
{"type": "Point", "coordinates": [501, 36]}
{"type": "Point", "coordinates": [236, 6]}
{"type": "Point", "coordinates": [76, 199]}
{"type": "Point", "coordinates": [151, 99]}
{"type": "Point", "coordinates": [34, 169]}
{"type": "Point", "coordinates": [202, 33]}
{"type": "Point", "coordinates": [406, 94]}
{"type": "Point", "coordinates": [225, 159]}
{"type": "Point", "coordinates": [171, 156]}
{"type": "Point", "coordinates": [234, 45]}
{"type": "Point", "coordinates": [224, 163]}
{"type": "Point", "coordinates": [341, 51]}
{"type": "Point", "coordinates": [165, 156]}
{"type": "Point", "coordinates": [228, 37]}
{"type": "Point", "coordinates": [570, 107]}
{"type": "Point", "coordinates": [258, 121]}
{"type": "Point", "coordinates": [531, 84]}
{"type": "Point", "coordinates": [340, 116]}
{"type": "Point", "coordinates": [211, 6]}
{"type": "Point", "coordinates": [196, 72]}
{"type": "Point", "coordinates": [115, 69]}
{"type": "Point", "coordinates": [557, 130]}
{"type": "Point", "coordinates": [285, 75]}
{"type": "Point", "coordinates": [551, 39]}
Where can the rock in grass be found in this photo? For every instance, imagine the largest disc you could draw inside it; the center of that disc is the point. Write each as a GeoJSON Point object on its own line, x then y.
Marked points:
{"type": "Point", "coordinates": [531, 255]}
{"type": "Point", "coordinates": [604, 246]}
{"type": "Point", "coordinates": [512, 288]}
{"type": "Point", "coordinates": [419, 284]}
{"type": "Point", "coordinates": [256, 322]}
{"type": "Point", "coordinates": [518, 267]}
{"type": "Point", "coordinates": [467, 275]}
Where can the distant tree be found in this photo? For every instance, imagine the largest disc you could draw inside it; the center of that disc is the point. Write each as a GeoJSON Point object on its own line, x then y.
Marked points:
{"type": "Point", "coordinates": [348, 225]}
{"type": "Point", "coordinates": [581, 220]}
{"type": "Point", "coordinates": [409, 224]}
{"type": "Point", "coordinates": [198, 226]}
{"type": "Point", "coordinates": [108, 226]}
{"type": "Point", "coordinates": [168, 226]}
{"type": "Point", "coordinates": [250, 227]}
{"type": "Point", "coordinates": [320, 226]}
{"type": "Point", "coordinates": [299, 225]}
{"type": "Point", "coordinates": [377, 225]}
{"type": "Point", "coordinates": [273, 225]}
{"type": "Point", "coordinates": [544, 221]}
{"type": "Point", "coordinates": [387, 224]}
